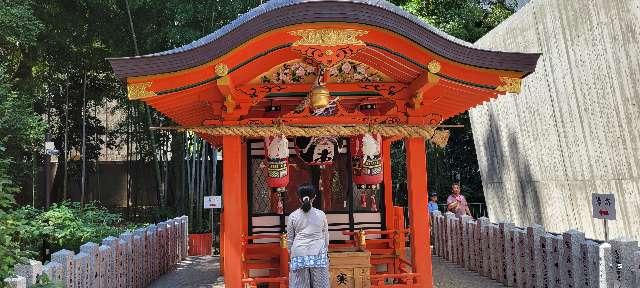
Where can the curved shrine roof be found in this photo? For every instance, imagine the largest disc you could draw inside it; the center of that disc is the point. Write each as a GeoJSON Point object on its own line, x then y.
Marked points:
{"type": "Point", "coordinates": [381, 66]}
{"type": "Point", "coordinates": [281, 13]}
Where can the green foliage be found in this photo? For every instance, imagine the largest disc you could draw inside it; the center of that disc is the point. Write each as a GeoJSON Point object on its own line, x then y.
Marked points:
{"type": "Point", "coordinates": [43, 281]}
{"type": "Point", "coordinates": [457, 162]}
{"type": "Point", "coordinates": [19, 28]}
{"type": "Point", "coordinates": [11, 225]}
{"type": "Point", "coordinates": [27, 232]}
{"type": "Point", "coordinates": [465, 19]}
{"type": "Point", "coordinates": [21, 129]}
{"type": "Point", "coordinates": [68, 225]}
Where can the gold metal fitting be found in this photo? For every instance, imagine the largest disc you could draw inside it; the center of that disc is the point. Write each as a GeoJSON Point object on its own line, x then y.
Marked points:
{"type": "Point", "coordinates": [362, 239]}
{"type": "Point", "coordinates": [320, 97]}
{"type": "Point", "coordinates": [229, 103]}
{"type": "Point", "coordinates": [510, 85]}
{"type": "Point", "coordinates": [434, 66]}
{"type": "Point", "coordinates": [222, 70]}
{"type": "Point", "coordinates": [283, 240]}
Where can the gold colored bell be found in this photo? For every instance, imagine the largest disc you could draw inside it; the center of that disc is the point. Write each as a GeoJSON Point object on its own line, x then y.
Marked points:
{"type": "Point", "coordinates": [320, 97]}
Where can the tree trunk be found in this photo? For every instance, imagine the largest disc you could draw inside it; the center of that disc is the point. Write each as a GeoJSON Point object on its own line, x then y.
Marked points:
{"type": "Point", "coordinates": [201, 186]}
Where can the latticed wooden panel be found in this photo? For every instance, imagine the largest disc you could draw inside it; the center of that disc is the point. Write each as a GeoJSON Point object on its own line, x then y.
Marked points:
{"type": "Point", "coordinates": [261, 192]}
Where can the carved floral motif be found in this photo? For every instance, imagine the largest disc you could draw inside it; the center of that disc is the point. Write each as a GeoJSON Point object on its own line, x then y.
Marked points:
{"type": "Point", "coordinates": [327, 57]}
{"type": "Point", "coordinates": [351, 72]}
{"type": "Point", "coordinates": [289, 73]}
{"type": "Point", "coordinates": [344, 72]}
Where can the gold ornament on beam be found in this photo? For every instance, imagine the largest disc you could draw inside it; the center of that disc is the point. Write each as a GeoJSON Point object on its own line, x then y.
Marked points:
{"type": "Point", "coordinates": [328, 37]}
{"type": "Point", "coordinates": [510, 85]}
{"type": "Point", "coordinates": [434, 67]}
{"type": "Point", "coordinates": [222, 70]}
{"type": "Point", "coordinates": [229, 103]}
{"type": "Point", "coordinates": [138, 91]}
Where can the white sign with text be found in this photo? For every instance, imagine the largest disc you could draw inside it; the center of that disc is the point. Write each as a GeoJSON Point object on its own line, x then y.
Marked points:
{"type": "Point", "coordinates": [604, 206]}
{"type": "Point", "coordinates": [212, 202]}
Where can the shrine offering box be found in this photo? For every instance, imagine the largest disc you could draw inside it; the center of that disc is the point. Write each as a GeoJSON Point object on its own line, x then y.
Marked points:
{"type": "Point", "coordinates": [350, 268]}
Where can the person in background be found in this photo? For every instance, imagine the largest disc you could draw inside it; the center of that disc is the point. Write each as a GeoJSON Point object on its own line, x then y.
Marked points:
{"type": "Point", "coordinates": [456, 203]}
{"type": "Point", "coordinates": [433, 202]}
{"type": "Point", "coordinates": [308, 243]}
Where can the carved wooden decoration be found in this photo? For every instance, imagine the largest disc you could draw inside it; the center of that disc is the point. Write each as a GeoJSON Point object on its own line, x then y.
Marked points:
{"type": "Point", "coordinates": [137, 91]}
{"type": "Point", "coordinates": [328, 46]}
{"type": "Point", "coordinates": [509, 85]}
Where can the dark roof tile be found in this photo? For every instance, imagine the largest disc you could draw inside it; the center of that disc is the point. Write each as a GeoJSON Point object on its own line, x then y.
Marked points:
{"type": "Point", "coordinates": [280, 13]}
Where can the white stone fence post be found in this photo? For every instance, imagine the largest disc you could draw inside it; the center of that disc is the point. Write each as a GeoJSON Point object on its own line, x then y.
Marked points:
{"type": "Point", "coordinates": [530, 257]}
{"type": "Point", "coordinates": [132, 260]}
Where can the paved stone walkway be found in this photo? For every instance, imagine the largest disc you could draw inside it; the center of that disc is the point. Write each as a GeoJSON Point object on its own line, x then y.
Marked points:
{"type": "Point", "coordinates": [202, 272]}
{"type": "Point", "coordinates": [448, 275]}
{"type": "Point", "coordinates": [195, 272]}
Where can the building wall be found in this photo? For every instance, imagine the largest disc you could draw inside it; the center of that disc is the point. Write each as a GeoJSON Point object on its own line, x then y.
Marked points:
{"type": "Point", "coordinates": [575, 128]}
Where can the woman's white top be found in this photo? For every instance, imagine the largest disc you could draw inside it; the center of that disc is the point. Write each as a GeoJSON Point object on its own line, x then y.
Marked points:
{"type": "Point", "coordinates": [307, 233]}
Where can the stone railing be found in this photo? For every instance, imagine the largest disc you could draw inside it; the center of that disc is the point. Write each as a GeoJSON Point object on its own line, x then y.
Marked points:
{"type": "Point", "coordinates": [531, 257]}
{"type": "Point", "coordinates": [132, 260]}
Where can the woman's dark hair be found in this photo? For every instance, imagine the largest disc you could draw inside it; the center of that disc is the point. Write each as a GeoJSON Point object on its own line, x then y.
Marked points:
{"type": "Point", "coordinates": [306, 194]}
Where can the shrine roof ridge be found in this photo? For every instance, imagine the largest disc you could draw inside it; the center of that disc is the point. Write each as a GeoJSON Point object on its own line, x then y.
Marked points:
{"type": "Point", "coordinates": [277, 14]}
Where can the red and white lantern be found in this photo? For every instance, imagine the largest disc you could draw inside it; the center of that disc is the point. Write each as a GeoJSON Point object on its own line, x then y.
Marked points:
{"type": "Point", "coordinates": [277, 158]}
{"type": "Point", "coordinates": [366, 159]}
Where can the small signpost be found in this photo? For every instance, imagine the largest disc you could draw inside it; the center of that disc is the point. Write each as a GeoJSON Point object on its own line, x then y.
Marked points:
{"type": "Point", "coordinates": [212, 202]}
{"type": "Point", "coordinates": [604, 207]}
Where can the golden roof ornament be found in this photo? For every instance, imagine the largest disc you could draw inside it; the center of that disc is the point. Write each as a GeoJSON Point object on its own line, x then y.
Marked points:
{"type": "Point", "coordinates": [222, 70]}
{"type": "Point", "coordinates": [509, 85]}
{"type": "Point", "coordinates": [328, 37]}
{"type": "Point", "coordinates": [137, 91]}
{"type": "Point", "coordinates": [434, 66]}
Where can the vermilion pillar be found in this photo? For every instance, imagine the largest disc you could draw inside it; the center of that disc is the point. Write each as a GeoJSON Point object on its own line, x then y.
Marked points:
{"type": "Point", "coordinates": [232, 209]}
{"type": "Point", "coordinates": [387, 182]}
{"type": "Point", "coordinates": [243, 188]}
{"type": "Point", "coordinates": [418, 200]}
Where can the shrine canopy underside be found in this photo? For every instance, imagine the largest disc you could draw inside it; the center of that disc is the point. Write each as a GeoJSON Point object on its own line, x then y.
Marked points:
{"type": "Point", "coordinates": [333, 64]}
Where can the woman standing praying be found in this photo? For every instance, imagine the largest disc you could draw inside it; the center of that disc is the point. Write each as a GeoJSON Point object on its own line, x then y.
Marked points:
{"type": "Point", "coordinates": [308, 243]}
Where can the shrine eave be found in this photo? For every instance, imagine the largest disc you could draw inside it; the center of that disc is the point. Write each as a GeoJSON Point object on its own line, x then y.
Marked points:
{"type": "Point", "coordinates": [282, 13]}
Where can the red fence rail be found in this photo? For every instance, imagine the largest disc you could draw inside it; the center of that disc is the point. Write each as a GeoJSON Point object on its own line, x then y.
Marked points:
{"type": "Point", "coordinates": [200, 244]}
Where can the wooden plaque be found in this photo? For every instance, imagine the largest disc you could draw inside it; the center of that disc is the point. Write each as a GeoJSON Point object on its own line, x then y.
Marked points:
{"type": "Point", "coordinates": [350, 269]}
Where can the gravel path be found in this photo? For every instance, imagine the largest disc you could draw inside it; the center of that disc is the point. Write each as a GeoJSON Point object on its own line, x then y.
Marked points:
{"type": "Point", "coordinates": [202, 272]}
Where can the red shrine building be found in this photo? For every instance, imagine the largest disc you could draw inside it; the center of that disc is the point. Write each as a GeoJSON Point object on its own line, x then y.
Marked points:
{"type": "Point", "coordinates": [315, 92]}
